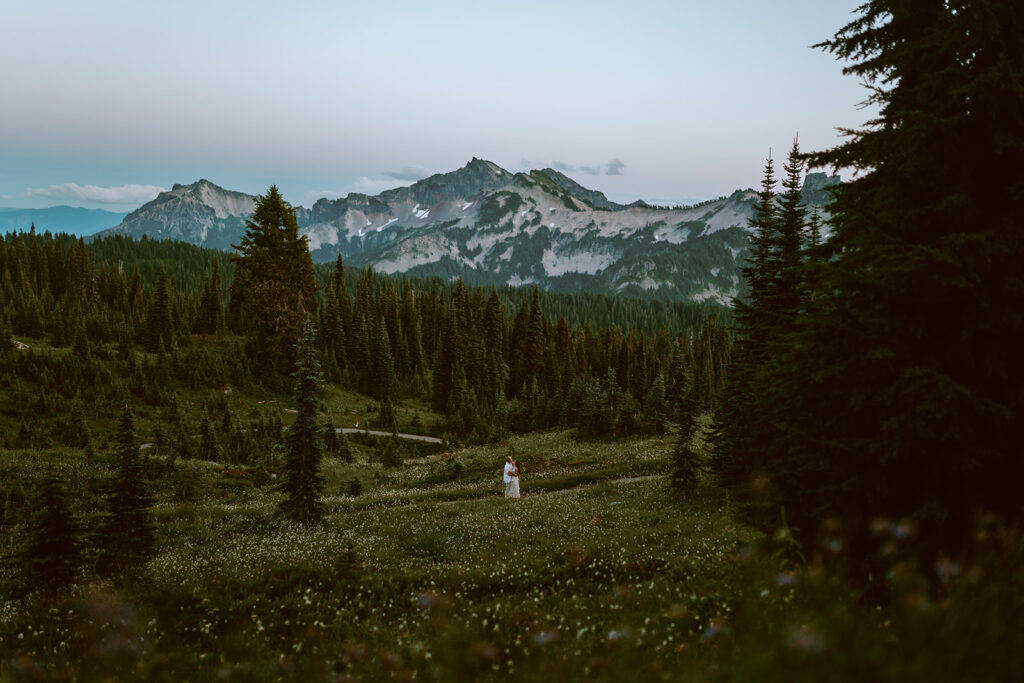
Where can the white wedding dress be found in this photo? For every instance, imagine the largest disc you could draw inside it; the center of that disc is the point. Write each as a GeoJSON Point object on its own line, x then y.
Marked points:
{"type": "Point", "coordinates": [513, 488]}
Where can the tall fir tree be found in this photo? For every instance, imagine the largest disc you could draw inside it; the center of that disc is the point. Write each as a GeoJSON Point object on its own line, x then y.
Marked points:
{"type": "Point", "coordinates": [210, 319]}
{"type": "Point", "coordinates": [791, 232]}
{"type": "Point", "coordinates": [51, 559]}
{"type": "Point", "coordinates": [740, 427]}
{"type": "Point", "coordinates": [159, 318]}
{"type": "Point", "coordinates": [302, 482]}
{"type": "Point", "coordinates": [383, 365]}
{"type": "Point", "coordinates": [126, 535]}
{"type": "Point", "coordinates": [274, 285]}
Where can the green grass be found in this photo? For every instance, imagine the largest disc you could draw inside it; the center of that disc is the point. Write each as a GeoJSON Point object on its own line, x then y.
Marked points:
{"type": "Point", "coordinates": [597, 573]}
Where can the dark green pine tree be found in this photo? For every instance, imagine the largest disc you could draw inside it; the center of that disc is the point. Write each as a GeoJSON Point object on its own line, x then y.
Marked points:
{"type": "Point", "coordinates": [274, 287]}
{"type": "Point", "coordinates": [383, 364]}
{"type": "Point", "coordinates": [386, 419]}
{"type": "Point", "coordinates": [51, 559]}
{"type": "Point", "coordinates": [209, 447]}
{"type": "Point", "coordinates": [686, 463]}
{"type": "Point", "coordinates": [814, 235]}
{"type": "Point", "coordinates": [6, 340]}
{"type": "Point", "coordinates": [751, 323]}
{"type": "Point", "coordinates": [159, 320]}
{"type": "Point", "coordinates": [345, 453]}
{"type": "Point", "coordinates": [210, 319]}
{"type": "Point", "coordinates": [655, 407]}
{"type": "Point", "coordinates": [536, 343]}
{"type": "Point", "coordinates": [903, 392]}
{"type": "Point", "coordinates": [448, 363]}
{"type": "Point", "coordinates": [790, 234]}
{"type": "Point", "coordinates": [81, 345]}
{"type": "Point", "coordinates": [24, 435]}
{"type": "Point", "coordinates": [302, 483]}
{"type": "Point", "coordinates": [126, 536]}
{"type": "Point", "coordinates": [741, 427]}
{"type": "Point", "coordinates": [80, 436]}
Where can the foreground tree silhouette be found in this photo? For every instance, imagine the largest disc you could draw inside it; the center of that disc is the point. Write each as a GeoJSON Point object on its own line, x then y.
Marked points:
{"type": "Point", "coordinates": [126, 536]}
{"type": "Point", "coordinates": [51, 558]}
{"type": "Point", "coordinates": [901, 392]}
{"type": "Point", "coordinates": [304, 444]}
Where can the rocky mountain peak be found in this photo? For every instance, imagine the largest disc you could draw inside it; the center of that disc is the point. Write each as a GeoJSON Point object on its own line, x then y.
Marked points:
{"type": "Point", "coordinates": [816, 189]}
{"type": "Point", "coordinates": [594, 198]}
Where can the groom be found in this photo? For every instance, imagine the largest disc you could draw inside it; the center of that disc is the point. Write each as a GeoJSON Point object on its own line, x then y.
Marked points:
{"type": "Point", "coordinates": [509, 467]}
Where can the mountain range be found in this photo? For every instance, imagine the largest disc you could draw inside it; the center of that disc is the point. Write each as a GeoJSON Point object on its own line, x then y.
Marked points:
{"type": "Point", "coordinates": [488, 225]}
{"type": "Point", "coordinates": [69, 219]}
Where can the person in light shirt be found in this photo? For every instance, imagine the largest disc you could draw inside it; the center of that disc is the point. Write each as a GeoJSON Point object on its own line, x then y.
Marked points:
{"type": "Point", "coordinates": [513, 488]}
{"type": "Point", "coordinates": [507, 477]}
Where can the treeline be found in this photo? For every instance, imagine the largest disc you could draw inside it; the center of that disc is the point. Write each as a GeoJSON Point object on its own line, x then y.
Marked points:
{"type": "Point", "coordinates": [490, 369]}
{"type": "Point", "coordinates": [491, 360]}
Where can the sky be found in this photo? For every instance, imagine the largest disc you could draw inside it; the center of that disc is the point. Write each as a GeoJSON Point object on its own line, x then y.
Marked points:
{"type": "Point", "coordinates": [105, 103]}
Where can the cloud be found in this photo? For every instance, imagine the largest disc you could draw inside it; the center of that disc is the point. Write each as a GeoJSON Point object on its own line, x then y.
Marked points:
{"type": "Point", "coordinates": [122, 194]}
{"type": "Point", "coordinates": [361, 185]}
{"type": "Point", "coordinates": [613, 167]}
{"type": "Point", "coordinates": [411, 173]}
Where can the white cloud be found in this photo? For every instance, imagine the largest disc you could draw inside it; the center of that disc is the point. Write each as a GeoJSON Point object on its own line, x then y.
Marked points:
{"type": "Point", "coordinates": [613, 167]}
{"type": "Point", "coordinates": [362, 185]}
{"type": "Point", "coordinates": [123, 194]}
{"type": "Point", "coordinates": [410, 173]}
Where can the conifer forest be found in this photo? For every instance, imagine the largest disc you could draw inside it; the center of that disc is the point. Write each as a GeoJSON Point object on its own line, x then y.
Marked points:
{"type": "Point", "coordinates": [243, 465]}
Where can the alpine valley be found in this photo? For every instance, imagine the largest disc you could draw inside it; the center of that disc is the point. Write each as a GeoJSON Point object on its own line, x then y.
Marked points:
{"type": "Point", "coordinates": [490, 226]}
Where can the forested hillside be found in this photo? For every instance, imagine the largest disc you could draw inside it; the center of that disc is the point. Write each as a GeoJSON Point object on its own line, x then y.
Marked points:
{"type": "Point", "coordinates": [115, 318]}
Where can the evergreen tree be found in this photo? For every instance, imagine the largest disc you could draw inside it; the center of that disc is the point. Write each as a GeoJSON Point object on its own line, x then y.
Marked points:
{"type": "Point", "coordinates": [209, 448]}
{"type": "Point", "coordinates": [24, 435]}
{"type": "Point", "coordinates": [902, 394]}
{"type": "Point", "coordinates": [383, 365]}
{"type": "Point", "coordinates": [159, 319]}
{"type": "Point", "coordinates": [386, 418]}
{"type": "Point", "coordinates": [814, 235]}
{"type": "Point", "coordinates": [741, 427]}
{"type": "Point", "coordinates": [80, 436]}
{"type": "Point", "coordinates": [51, 558]}
{"type": "Point", "coordinates": [448, 363]}
{"type": "Point", "coordinates": [6, 340]}
{"type": "Point", "coordinates": [344, 448]}
{"type": "Point", "coordinates": [791, 230]}
{"type": "Point", "coordinates": [274, 284]}
{"type": "Point", "coordinates": [126, 536]}
{"type": "Point", "coordinates": [302, 482]}
{"type": "Point", "coordinates": [81, 346]}
{"type": "Point", "coordinates": [211, 307]}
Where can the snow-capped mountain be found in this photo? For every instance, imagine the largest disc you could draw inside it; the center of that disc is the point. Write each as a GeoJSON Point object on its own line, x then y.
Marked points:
{"type": "Point", "coordinates": [486, 224]}
{"type": "Point", "coordinates": [201, 213]}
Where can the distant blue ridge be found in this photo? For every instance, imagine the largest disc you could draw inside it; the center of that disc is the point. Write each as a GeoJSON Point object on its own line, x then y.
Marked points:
{"type": "Point", "coordinates": [70, 219]}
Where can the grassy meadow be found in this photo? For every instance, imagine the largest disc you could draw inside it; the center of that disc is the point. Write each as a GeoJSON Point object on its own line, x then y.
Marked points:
{"type": "Point", "coordinates": [597, 573]}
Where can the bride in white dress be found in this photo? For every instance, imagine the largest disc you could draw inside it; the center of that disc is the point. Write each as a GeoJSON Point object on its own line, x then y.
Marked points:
{"type": "Point", "coordinates": [513, 490]}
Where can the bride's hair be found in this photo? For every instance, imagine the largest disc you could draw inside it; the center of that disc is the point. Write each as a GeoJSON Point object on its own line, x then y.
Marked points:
{"type": "Point", "coordinates": [519, 467]}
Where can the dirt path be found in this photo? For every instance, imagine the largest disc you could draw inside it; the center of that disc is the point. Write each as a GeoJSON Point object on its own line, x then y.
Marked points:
{"type": "Point", "coordinates": [414, 437]}
{"type": "Point", "coordinates": [556, 492]}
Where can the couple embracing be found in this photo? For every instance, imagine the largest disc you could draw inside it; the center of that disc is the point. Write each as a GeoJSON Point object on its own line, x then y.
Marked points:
{"type": "Point", "coordinates": [511, 477]}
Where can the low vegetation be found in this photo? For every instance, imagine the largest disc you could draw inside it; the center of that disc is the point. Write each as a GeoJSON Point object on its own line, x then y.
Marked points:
{"type": "Point", "coordinates": [597, 573]}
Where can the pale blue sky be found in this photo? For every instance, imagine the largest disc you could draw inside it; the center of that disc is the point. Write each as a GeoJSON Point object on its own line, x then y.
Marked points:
{"type": "Point", "coordinates": [108, 100]}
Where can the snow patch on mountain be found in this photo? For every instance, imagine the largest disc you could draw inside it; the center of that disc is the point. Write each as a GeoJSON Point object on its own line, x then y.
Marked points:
{"type": "Point", "coordinates": [713, 292]}
{"type": "Point", "coordinates": [574, 261]}
{"type": "Point", "coordinates": [517, 281]}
